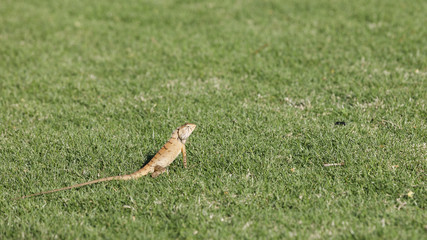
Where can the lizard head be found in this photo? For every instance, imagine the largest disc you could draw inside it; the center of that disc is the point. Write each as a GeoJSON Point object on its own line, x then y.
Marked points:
{"type": "Point", "coordinates": [185, 131]}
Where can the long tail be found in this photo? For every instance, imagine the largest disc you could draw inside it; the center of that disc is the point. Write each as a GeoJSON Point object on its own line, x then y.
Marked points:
{"type": "Point", "coordinates": [134, 175]}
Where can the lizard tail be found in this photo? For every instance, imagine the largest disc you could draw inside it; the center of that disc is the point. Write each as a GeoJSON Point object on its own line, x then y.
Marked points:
{"type": "Point", "coordinates": [73, 186]}
{"type": "Point", "coordinates": [135, 175]}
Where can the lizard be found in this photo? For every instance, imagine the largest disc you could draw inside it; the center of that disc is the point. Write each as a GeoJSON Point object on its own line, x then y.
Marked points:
{"type": "Point", "coordinates": [156, 166]}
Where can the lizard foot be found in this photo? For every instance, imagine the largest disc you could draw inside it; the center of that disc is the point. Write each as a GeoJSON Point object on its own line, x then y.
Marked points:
{"type": "Point", "coordinates": [157, 171]}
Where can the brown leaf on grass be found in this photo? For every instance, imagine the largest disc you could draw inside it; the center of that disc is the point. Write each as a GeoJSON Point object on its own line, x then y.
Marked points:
{"type": "Point", "coordinates": [260, 49]}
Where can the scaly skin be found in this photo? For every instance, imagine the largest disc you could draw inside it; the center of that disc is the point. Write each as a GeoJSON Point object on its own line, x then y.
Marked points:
{"type": "Point", "coordinates": [157, 165]}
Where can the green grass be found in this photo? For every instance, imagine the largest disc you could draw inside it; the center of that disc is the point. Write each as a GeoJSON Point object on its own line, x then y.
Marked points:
{"type": "Point", "coordinates": [90, 89]}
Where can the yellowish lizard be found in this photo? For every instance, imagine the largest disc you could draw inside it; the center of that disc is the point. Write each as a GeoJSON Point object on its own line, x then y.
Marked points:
{"type": "Point", "coordinates": [157, 165]}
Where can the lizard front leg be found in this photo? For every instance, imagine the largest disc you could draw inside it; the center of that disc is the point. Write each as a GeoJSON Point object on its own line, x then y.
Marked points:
{"type": "Point", "coordinates": [184, 155]}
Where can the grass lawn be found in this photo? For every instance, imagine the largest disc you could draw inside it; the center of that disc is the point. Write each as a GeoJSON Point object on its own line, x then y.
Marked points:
{"type": "Point", "coordinates": [91, 89]}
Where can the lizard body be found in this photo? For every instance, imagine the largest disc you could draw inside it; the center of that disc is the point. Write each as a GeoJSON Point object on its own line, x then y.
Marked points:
{"type": "Point", "coordinates": [156, 166]}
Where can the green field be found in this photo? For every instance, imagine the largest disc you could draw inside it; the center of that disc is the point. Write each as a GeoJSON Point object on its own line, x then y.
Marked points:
{"type": "Point", "coordinates": [91, 89]}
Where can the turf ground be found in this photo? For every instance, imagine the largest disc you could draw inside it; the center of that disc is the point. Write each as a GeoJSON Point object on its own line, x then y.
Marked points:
{"type": "Point", "coordinates": [91, 89]}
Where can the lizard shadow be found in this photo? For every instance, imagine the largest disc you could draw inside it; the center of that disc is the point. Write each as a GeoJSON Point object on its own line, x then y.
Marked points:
{"type": "Point", "coordinates": [148, 159]}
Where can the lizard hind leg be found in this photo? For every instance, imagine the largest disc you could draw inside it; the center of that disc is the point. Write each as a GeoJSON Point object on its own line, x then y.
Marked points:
{"type": "Point", "coordinates": [157, 171]}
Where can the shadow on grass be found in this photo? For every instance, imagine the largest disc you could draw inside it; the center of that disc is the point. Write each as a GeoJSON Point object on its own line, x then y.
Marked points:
{"type": "Point", "coordinates": [148, 159]}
